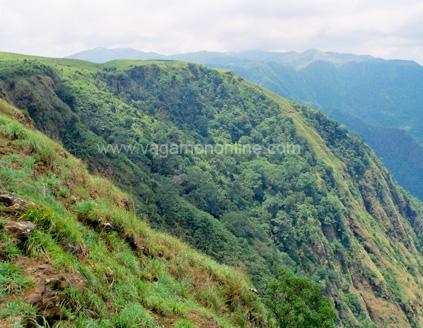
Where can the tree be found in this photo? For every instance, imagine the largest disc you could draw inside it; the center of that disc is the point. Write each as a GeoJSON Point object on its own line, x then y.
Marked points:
{"type": "Point", "coordinates": [297, 302]}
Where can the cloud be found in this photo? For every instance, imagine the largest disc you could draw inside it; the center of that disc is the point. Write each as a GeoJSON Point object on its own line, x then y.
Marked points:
{"type": "Point", "coordinates": [59, 27]}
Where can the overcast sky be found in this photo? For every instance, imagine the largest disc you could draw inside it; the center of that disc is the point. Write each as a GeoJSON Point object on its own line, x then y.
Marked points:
{"type": "Point", "coordinates": [384, 28]}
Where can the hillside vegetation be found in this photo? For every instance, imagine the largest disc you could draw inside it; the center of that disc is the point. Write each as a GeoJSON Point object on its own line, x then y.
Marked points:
{"type": "Point", "coordinates": [379, 99]}
{"type": "Point", "coordinates": [331, 211]}
{"type": "Point", "coordinates": [74, 254]}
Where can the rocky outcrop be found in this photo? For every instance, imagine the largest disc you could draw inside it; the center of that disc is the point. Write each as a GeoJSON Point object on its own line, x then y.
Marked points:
{"type": "Point", "coordinates": [49, 289]}
{"type": "Point", "coordinates": [12, 204]}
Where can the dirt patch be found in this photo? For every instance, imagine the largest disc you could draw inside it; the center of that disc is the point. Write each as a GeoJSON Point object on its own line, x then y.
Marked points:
{"type": "Point", "coordinates": [381, 311]}
{"type": "Point", "coordinates": [202, 321]}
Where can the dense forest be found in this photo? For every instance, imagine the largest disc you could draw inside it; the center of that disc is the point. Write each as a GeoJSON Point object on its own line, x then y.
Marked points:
{"type": "Point", "coordinates": [376, 98]}
{"type": "Point", "coordinates": [379, 99]}
{"type": "Point", "coordinates": [330, 212]}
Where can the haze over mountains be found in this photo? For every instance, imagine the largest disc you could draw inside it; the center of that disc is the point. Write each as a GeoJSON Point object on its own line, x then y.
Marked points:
{"type": "Point", "coordinates": [292, 58]}
{"type": "Point", "coordinates": [382, 100]}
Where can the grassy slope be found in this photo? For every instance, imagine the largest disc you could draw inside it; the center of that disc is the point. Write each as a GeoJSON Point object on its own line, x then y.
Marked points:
{"type": "Point", "coordinates": [373, 271]}
{"type": "Point", "coordinates": [162, 282]}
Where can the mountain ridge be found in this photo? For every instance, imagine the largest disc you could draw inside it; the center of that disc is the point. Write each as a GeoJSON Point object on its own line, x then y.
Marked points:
{"type": "Point", "coordinates": [349, 88]}
{"type": "Point", "coordinates": [299, 59]}
{"type": "Point", "coordinates": [332, 212]}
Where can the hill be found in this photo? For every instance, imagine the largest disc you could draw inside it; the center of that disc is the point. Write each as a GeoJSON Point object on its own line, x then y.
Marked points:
{"type": "Point", "coordinates": [383, 95]}
{"type": "Point", "coordinates": [330, 210]}
{"type": "Point", "coordinates": [74, 254]}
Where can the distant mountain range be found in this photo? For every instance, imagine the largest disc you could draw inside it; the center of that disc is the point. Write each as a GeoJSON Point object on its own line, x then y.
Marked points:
{"type": "Point", "coordinates": [291, 58]}
{"type": "Point", "coordinates": [382, 100]}
{"type": "Point", "coordinates": [103, 55]}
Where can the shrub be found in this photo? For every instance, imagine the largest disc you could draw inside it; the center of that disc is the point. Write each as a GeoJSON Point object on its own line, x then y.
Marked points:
{"type": "Point", "coordinates": [297, 302]}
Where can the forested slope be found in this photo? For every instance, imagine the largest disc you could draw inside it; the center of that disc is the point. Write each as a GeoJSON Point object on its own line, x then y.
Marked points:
{"type": "Point", "coordinates": [73, 253]}
{"type": "Point", "coordinates": [330, 211]}
{"type": "Point", "coordinates": [383, 95]}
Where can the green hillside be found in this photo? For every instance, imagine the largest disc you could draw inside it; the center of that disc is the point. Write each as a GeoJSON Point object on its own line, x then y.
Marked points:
{"type": "Point", "coordinates": [330, 211]}
{"type": "Point", "coordinates": [379, 99]}
{"type": "Point", "coordinates": [87, 260]}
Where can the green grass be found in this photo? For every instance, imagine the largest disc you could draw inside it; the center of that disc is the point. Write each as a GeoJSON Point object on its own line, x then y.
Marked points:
{"type": "Point", "coordinates": [17, 313]}
{"type": "Point", "coordinates": [12, 280]}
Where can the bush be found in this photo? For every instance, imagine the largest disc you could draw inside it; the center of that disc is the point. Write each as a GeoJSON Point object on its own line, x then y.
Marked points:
{"type": "Point", "coordinates": [297, 302]}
